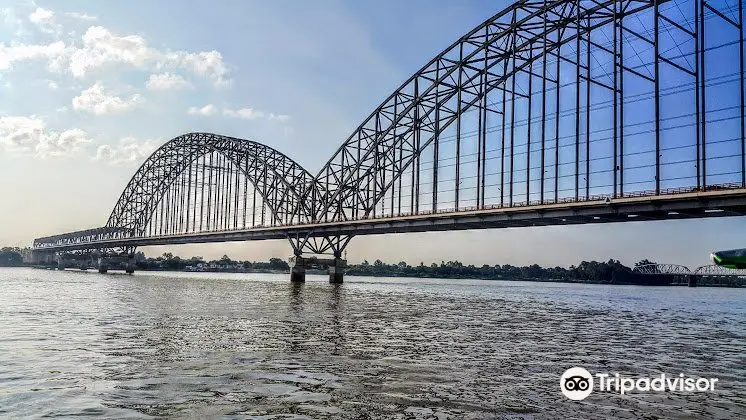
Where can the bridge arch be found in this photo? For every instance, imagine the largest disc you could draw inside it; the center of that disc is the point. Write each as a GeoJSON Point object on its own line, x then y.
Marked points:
{"type": "Point", "coordinates": [279, 180]}
{"type": "Point", "coordinates": [392, 138]}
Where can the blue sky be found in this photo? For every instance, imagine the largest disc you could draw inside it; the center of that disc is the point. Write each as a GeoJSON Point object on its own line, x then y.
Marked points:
{"type": "Point", "coordinates": [88, 89]}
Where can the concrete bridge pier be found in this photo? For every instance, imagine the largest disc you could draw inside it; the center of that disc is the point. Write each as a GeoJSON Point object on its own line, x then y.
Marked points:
{"type": "Point", "coordinates": [40, 257]}
{"type": "Point", "coordinates": [334, 266]}
{"type": "Point", "coordinates": [298, 269]}
{"type": "Point", "coordinates": [692, 281]}
{"type": "Point", "coordinates": [103, 265]}
{"type": "Point", "coordinates": [129, 266]}
{"type": "Point", "coordinates": [62, 262]}
{"type": "Point", "coordinates": [336, 271]}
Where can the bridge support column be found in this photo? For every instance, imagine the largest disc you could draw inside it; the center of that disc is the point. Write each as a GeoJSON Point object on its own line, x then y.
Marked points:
{"type": "Point", "coordinates": [298, 270]}
{"type": "Point", "coordinates": [129, 266]}
{"type": "Point", "coordinates": [692, 281]}
{"type": "Point", "coordinates": [336, 271]}
{"type": "Point", "coordinates": [61, 262]}
{"type": "Point", "coordinates": [37, 257]}
{"type": "Point", "coordinates": [103, 265]}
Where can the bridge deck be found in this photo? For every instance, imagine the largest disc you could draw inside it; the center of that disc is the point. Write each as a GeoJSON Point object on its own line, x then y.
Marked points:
{"type": "Point", "coordinates": [719, 203]}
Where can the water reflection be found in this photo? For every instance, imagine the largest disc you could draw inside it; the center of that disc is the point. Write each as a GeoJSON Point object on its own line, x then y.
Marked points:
{"type": "Point", "coordinates": [175, 345]}
{"type": "Point", "coordinates": [336, 337]}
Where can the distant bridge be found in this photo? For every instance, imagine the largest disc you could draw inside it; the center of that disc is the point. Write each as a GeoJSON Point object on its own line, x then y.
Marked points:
{"type": "Point", "coordinates": [548, 113]}
{"type": "Point", "coordinates": [681, 270]}
{"type": "Point", "coordinates": [714, 275]}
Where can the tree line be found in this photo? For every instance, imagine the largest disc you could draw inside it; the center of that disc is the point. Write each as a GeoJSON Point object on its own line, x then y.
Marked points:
{"type": "Point", "coordinates": [169, 261]}
{"type": "Point", "coordinates": [11, 256]}
{"type": "Point", "coordinates": [592, 271]}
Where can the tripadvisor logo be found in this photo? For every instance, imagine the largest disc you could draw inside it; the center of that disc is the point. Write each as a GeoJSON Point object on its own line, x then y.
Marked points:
{"type": "Point", "coordinates": [577, 383]}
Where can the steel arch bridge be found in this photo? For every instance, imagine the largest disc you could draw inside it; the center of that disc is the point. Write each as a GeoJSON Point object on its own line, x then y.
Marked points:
{"type": "Point", "coordinates": [549, 112]}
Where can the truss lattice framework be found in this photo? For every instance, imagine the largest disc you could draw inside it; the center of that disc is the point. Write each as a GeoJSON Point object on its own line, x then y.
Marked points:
{"type": "Point", "coordinates": [279, 180]}
{"type": "Point", "coordinates": [718, 271]}
{"type": "Point", "coordinates": [670, 269]}
{"type": "Point", "coordinates": [365, 167]}
{"type": "Point", "coordinates": [521, 40]}
{"type": "Point", "coordinates": [676, 269]}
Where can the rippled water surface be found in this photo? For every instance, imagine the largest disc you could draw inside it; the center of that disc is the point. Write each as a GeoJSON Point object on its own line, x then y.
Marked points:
{"type": "Point", "coordinates": [251, 345]}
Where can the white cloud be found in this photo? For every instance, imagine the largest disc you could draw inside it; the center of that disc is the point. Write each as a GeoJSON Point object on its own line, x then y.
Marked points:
{"type": "Point", "coordinates": [40, 15]}
{"type": "Point", "coordinates": [252, 114]}
{"type": "Point", "coordinates": [244, 113]}
{"type": "Point", "coordinates": [166, 81]}
{"type": "Point", "coordinates": [44, 20]}
{"type": "Point", "coordinates": [52, 84]}
{"type": "Point", "coordinates": [128, 150]}
{"type": "Point", "coordinates": [96, 100]}
{"type": "Point", "coordinates": [30, 135]}
{"type": "Point", "coordinates": [81, 16]}
{"type": "Point", "coordinates": [278, 117]}
{"type": "Point", "coordinates": [23, 52]}
{"type": "Point", "coordinates": [101, 47]}
{"type": "Point", "coordinates": [206, 110]}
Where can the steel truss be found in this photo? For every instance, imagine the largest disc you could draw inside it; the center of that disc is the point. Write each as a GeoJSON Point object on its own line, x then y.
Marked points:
{"type": "Point", "coordinates": [533, 107]}
{"type": "Point", "coordinates": [668, 269]}
{"type": "Point", "coordinates": [522, 41]}
{"type": "Point", "coordinates": [680, 270]}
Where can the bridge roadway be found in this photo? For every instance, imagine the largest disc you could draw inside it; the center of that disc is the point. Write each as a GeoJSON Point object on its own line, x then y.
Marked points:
{"type": "Point", "coordinates": [671, 205]}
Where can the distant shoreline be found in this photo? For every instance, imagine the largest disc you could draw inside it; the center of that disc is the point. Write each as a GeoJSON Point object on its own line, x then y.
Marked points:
{"type": "Point", "coordinates": [353, 273]}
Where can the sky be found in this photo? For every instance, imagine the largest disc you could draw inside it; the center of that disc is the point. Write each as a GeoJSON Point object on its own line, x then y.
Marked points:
{"type": "Point", "coordinates": [89, 89]}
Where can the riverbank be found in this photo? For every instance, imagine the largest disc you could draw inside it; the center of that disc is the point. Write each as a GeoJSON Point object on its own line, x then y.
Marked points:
{"type": "Point", "coordinates": [643, 280]}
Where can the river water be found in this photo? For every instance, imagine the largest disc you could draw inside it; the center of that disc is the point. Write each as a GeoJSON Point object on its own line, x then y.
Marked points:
{"type": "Point", "coordinates": [255, 346]}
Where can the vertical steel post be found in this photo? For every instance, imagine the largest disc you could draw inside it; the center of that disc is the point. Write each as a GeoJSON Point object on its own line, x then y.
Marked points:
{"type": "Point", "coordinates": [458, 125]}
{"type": "Point", "coordinates": [528, 129]}
{"type": "Point", "coordinates": [209, 192]}
{"type": "Point", "coordinates": [253, 204]}
{"type": "Point", "coordinates": [502, 152]}
{"type": "Point", "coordinates": [621, 103]}
{"type": "Point", "coordinates": [557, 121]}
{"type": "Point", "coordinates": [697, 76]}
{"type": "Point", "coordinates": [246, 190]}
{"type": "Point", "coordinates": [703, 85]}
{"type": "Point", "coordinates": [236, 194]}
{"type": "Point", "coordinates": [415, 136]}
{"type": "Point", "coordinates": [543, 106]}
{"type": "Point", "coordinates": [394, 162]}
{"type": "Point", "coordinates": [616, 96]}
{"type": "Point", "coordinates": [588, 115]}
{"type": "Point", "coordinates": [741, 109]}
{"type": "Point", "coordinates": [577, 100]}
{"type": "Point", "coordinates": [656, 54]}
{"type": "Point", "coordinates": [399, 180]}
{"type": "Point", "coordinates": [479, 134]}
{"type": "Point", "coordinates": [512, 128]}
{"type": "Point", "coordinates": [437, 140]}
{"type": "Point", "coordinates": [264, 192]}
{"type": "Point", "coordinates": [202, 196]}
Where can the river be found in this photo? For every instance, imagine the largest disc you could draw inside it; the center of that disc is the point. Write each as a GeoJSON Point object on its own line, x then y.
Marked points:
{"type": "Point", "coordinates": [255, 346]}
